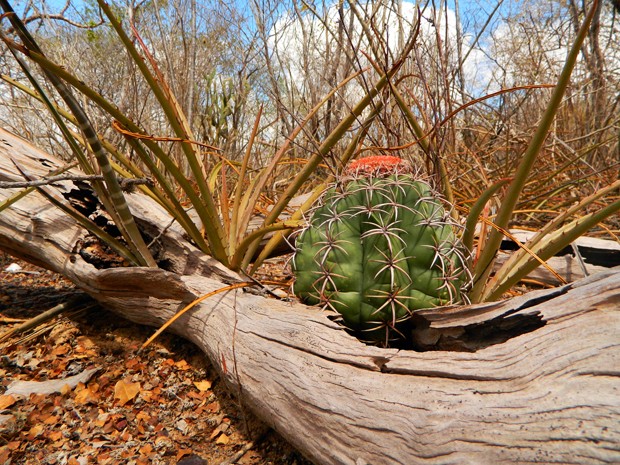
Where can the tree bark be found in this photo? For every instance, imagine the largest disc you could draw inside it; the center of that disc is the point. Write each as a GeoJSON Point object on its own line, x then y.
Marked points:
{"type": "Point", "coordinates": [532, 379]}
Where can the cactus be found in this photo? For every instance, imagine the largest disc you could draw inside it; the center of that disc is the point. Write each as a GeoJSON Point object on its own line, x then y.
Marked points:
{"type": "Point", "coordinates": [379, 245]}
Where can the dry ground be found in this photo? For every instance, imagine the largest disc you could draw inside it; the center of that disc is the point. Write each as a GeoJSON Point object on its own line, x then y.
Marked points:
{"type": "Point", "coordinates": [165, 405]}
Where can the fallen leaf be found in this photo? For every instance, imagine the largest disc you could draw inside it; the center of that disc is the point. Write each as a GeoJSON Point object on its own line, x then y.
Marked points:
{"type": "Point", "coordinates": [199, 395]}
{"type": "Point", "coordinates": [143, 416]}
{"type": "Point", "coordinates": [182, 426]}
{"type": "Point", "coordinates": [66, 389]}
{"type": "Point", "coordinates": [223, 427]}
{"type": "Point", "coordinates": [213, 407]}
{"type": "Point", "coordinates": [98, 444]}
{"type": "Point", "coordinates": [51, 420]}
{"type": "Point", "coordinates": [203, 385]}
{"type": "Point", "coordinates": [101, 419]}
{"type": "Point", "coordinates": [14, 445]}
{"type": "Point", "coordinates": [86, 396]}
{"type": "Point", "coordinates": [182, 453]}
{"type": "Point", "coordinates": [54, 435]}
{"type": "Point", "coordinates": [132, 363]}
{"type": "Point", "coordinates": [182, 365]}
{"type": "Point", "coordinates": [104, 458]}
{"type": "Point", "coordinates": [5, 454]}
{"type": "Point", "coordinates": [61, 349]}
{"type": "Point", "coordinates": [35, 431]}
{"type": "Point", "coordinates": [147, 396]}
{"type": "Point", "coordinates": [124, 391]}
{"type": "Point", "coordinates": [88, 354]}
{"type": "Point", "coordinates": [146, 449]}
{"type": "Point", "coordinates": [6, 401]}
{"type": "Point", "coordinates": [222, 439]}
{"type": "Point", "coordinates": [120, 424]}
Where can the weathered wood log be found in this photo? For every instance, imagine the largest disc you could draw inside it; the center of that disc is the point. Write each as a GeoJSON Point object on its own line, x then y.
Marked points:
{"type": "Point", "coordinates": [567, 266]}
{"type": "Point", "coordinates": [595, 255]}
{"type": "Point", "coordinates": [532, 379]}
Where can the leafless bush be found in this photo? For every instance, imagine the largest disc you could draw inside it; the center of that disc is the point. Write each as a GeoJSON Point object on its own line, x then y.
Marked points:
{"type": "Point", "coordinates": [223, 64]}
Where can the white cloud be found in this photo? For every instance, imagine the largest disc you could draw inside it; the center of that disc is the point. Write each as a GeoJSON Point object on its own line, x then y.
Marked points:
{"type": "Point", "coordinates": [529, 47]}
{"type": "Point", "coordinates": [304, 46]}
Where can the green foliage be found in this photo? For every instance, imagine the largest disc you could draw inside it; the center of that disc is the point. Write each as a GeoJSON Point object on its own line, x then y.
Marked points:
{"type": "Point", "coordinates": [513, 270]}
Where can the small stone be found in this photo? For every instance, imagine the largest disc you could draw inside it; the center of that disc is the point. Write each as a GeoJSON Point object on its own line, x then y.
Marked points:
{"type": "Point", "coordinates": [192, 459]}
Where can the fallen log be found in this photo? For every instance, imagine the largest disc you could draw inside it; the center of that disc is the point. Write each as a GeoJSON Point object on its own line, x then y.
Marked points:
{"type": "Point", "coordinates": [531, 379]}
{"type": "Point", "coordinates": [586, 257]}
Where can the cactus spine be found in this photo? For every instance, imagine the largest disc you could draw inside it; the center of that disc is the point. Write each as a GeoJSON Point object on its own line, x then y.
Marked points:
{"type": "Point", "coordinates": [379, 245]}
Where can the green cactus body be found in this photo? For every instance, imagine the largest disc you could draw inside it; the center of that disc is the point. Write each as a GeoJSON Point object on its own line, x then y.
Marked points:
{"type": "Point", "coordinates": [377, 247]}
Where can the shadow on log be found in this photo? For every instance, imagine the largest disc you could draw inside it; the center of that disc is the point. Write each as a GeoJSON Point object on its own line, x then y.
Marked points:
{"type": "Point", "coordinates": [533, 379]}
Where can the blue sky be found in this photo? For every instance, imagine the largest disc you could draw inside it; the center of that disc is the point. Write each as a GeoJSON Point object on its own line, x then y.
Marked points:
{"type": "Point", "coordinates": [473, 13]}
{"type": "Point", "coordinates": [471, 10]}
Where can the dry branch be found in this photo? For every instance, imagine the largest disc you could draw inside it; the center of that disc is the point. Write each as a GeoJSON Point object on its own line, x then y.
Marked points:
{"type": "Point", "coordinates": [125, 183]}
{"type": "Point", "coordinates": [533, 379]}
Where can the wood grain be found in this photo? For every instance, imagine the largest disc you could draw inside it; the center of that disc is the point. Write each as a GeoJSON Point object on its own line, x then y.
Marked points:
{"type": "Point", "coordinates": [543, 393]}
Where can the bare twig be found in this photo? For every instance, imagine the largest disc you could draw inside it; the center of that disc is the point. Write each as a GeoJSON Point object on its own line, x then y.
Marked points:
{"type": "Point", "coordinates": [71, 304]}
{"type": "Point", "coordinates": [126, 183]}
{"type": "Point", "coordinates": [235, 458]}
{"type": "Point", "coordinates": [60, 17]}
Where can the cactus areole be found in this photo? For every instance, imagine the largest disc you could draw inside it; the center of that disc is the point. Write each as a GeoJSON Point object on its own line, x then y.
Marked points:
{"type": "Point", "coordinates": [379, 245]}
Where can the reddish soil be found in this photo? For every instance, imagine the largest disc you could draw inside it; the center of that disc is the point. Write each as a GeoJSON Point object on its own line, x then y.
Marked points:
{"type": "Point", "coordinates": [165, 405]}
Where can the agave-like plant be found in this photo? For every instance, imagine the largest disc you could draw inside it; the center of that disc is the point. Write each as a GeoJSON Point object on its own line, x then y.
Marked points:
{"type": "Point", "coordinates": [557, 234]}
{"type": "Point", "coordinates": [374, 251]}
{"type": "Point", "coordinates": [225, 227]}
{"type": "Point", "coordinates": [224, 233]}
{"type": "Point", "coordinates": [553, 237]}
